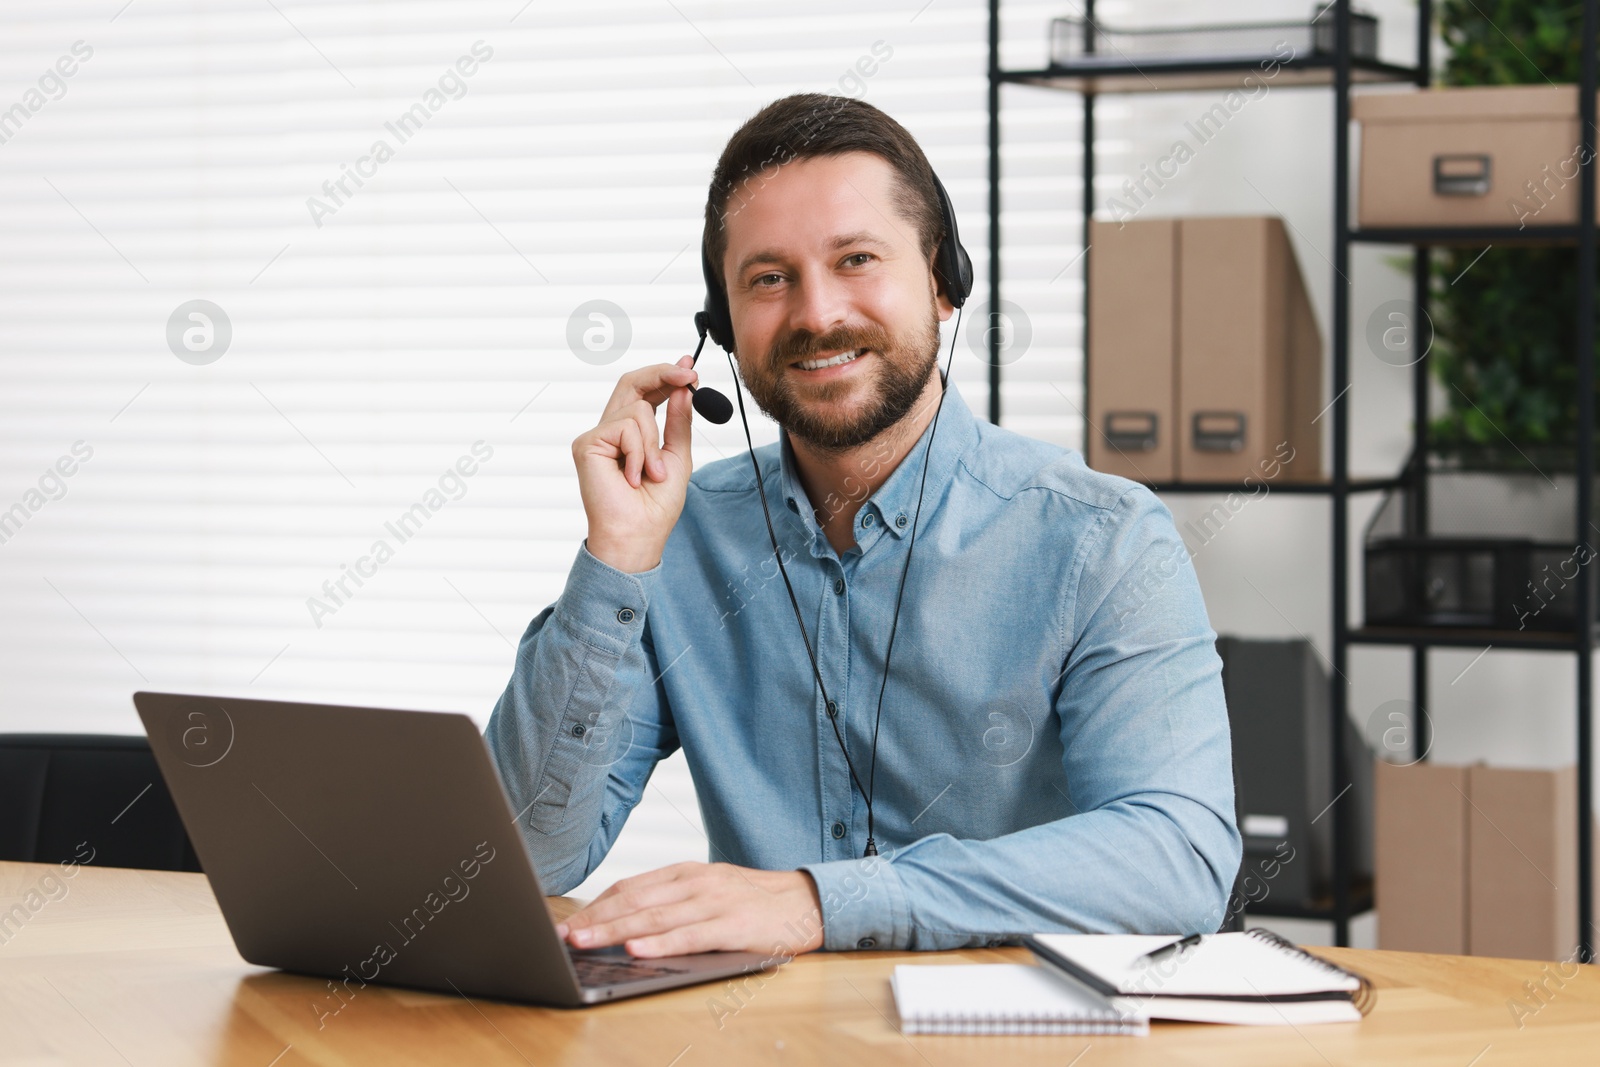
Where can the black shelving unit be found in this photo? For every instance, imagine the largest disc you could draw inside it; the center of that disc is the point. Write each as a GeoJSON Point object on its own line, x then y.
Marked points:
{"type": "Point", "coordinates": [1102, 76]}
{"type": "Point", "coordinates": [1357, 485]}
{"type": "Point", "coordinates": [1093, 75]}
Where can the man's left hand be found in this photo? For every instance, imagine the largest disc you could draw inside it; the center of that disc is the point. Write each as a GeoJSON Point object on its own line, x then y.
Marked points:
{"type": "Point", "coordinates": [702, 907]}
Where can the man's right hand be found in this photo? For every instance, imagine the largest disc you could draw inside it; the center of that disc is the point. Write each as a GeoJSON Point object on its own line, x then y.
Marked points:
{"type": "Point", "coordinates": [633, 480]}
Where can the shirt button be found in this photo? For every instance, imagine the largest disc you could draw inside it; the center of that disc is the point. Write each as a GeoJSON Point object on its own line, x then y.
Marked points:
{"type": "Point", "coordinates": [867, 942]}
{"type": "Point", "coordinates": [793, 506]}
{"type": "Point", "coordinates": [867, 519]}
{"type": "Point", "coordinates": [838, 586]}
{"type": "Point", "coordinates": [838, 830]}
{"type": "Point", "coordinates": [900, 521]}
{"type": "Point", "coordinates": [624, 615]}
{"type": "Point", "coordinates": [833, 709]}
{"type": "Point", "coordinates": [578, 729]}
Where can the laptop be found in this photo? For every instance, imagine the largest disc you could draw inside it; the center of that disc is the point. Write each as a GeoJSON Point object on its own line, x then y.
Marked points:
{"type": "Point", "coordinates": [373, 845]}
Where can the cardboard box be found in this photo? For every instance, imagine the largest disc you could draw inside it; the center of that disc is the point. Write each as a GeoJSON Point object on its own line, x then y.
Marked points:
{"type": "Point", "coordinates": [1249, 355]}
{"type": "Point", "coordinates": [1132, 349]}
{"type": "Point", "coordinates": [1477, 860]}
{"type": "Point", "coordinates": [1205, 362]}
{"type": "Point", "coordinates": [1471, 156]}
{"type": "Point", "coordinates": [1522, 847]}
{"type": "Point", "coordinates": [1420, 851]}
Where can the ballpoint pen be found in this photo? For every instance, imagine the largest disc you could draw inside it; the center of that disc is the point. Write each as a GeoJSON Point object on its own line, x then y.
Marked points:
{"type": "Point", "coordinates": [1169, 949]}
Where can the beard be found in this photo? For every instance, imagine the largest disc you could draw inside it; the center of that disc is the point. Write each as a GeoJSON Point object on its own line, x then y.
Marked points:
{"type": "Point", "coordinates": [904, 364]}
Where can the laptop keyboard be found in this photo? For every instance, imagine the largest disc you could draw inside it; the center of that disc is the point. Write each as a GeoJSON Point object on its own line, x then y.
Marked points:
{"type": "Point", "coordinates": [601, 971]}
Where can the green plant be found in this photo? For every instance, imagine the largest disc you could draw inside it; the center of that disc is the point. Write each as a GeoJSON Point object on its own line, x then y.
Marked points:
{"type": "Point", "coordinates": [1505, 323]}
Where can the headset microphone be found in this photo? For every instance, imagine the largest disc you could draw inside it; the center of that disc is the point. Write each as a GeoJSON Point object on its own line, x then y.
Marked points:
{"type": "Point", "coordinates": [712, 405]}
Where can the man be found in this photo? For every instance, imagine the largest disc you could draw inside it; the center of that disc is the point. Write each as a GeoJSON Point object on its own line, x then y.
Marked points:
{"type": "Point", "coordinates": [1053, 749]}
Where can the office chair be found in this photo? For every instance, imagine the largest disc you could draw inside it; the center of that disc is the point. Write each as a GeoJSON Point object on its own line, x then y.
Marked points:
{"type": "Point", "coordinates": [62, 795]}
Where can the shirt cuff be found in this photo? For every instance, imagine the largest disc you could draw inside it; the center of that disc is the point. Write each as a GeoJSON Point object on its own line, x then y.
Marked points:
{"type": "Point", "coordinates": [863, 904]}
{"type": "Point", "coordinates": [604, 606]}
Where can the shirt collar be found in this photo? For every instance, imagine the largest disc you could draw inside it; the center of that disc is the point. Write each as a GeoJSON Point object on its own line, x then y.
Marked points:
{"type": "Point", "coordinates": [894, 506]}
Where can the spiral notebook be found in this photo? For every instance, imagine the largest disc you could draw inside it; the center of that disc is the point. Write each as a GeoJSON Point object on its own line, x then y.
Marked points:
{"type": "Point", "coordinates": [1253, 978]}
{"type": "Point", "coordinates": [1004, 998]}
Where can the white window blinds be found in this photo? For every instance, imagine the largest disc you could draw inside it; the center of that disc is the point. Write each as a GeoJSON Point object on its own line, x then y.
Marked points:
{"type": "Point", "coordinates": [286, 292]}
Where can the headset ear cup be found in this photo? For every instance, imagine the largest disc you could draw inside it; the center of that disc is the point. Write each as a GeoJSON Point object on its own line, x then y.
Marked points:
{"type": "Point", "coordinates": [955, 271]}
{"type": "Point", "coordinates": [710, 322]}
{"type": "Point", "coordinates": [717, 318]}
{"type": "Point", "coordinates": [954, 265]}
{"type": "Point", "coordinates": [720, 329]}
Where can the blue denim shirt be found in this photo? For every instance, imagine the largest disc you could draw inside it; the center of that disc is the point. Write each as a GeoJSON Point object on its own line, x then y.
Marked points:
{"type": "Point", "coordinates": [1054, 751]}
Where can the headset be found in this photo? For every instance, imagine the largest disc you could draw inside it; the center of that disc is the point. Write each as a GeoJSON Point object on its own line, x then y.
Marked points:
{"type": "Point", "coordinates": [951, 263]}
{"type": "Point", "coordinates": [953, 268]}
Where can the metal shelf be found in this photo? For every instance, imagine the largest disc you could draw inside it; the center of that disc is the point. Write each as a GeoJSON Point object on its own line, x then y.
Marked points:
{"type": "Point", "coordinates": [1467, 235]}
{"type": "Point", "coordinates": [1361, 900]}
{"type": "Point", "coordinates": [1114, 74]}
{"type": "Point", "coordinates": [1355, 485]}
{"type": "Point", "coordinates": [1451, 637]}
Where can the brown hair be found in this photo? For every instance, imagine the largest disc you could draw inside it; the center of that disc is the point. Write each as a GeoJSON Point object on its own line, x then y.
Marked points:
{"type": "Point", "coordinates": [806, 125]}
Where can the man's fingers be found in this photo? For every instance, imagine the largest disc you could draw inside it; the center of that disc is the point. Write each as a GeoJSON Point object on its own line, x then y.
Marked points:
{"type": "Point", "coordinates": [679, 406]}
{"type": "Point", "coordinates": [650, 384]}
{"type": "Point", "coordinates": [672, 378]}
{"type": "Point", "coordinates": [677, 437]}
{"type": "Point", "coordinates": [626, 902]}
{"type": "Point", "coordinates": [649, 433]}
{"type": "Point", "coordinates": [631, 443]}
{"type": "Point", "coordinates": [708, 936]}
{"type": "Point", "coordinates": [645, 922]}
{"type": "Point", "coordinates": [632, 888]}
{"type": "Point", "coordinates": [699, 907]}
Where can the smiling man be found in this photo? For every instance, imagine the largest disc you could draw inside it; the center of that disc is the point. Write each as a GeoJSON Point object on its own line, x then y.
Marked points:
{"type": "Point", "coordinates": [1052, 751]}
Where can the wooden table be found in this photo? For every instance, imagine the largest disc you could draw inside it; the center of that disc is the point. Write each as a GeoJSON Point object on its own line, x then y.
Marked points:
{"type": "Point", "coordinates": [136, 967]}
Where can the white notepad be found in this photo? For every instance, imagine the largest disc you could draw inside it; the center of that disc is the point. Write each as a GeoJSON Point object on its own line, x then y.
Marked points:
{"type": "Point", "coordinates": [1004, 998]}
{"type": "Point", "coordinates": [1252, 978]}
